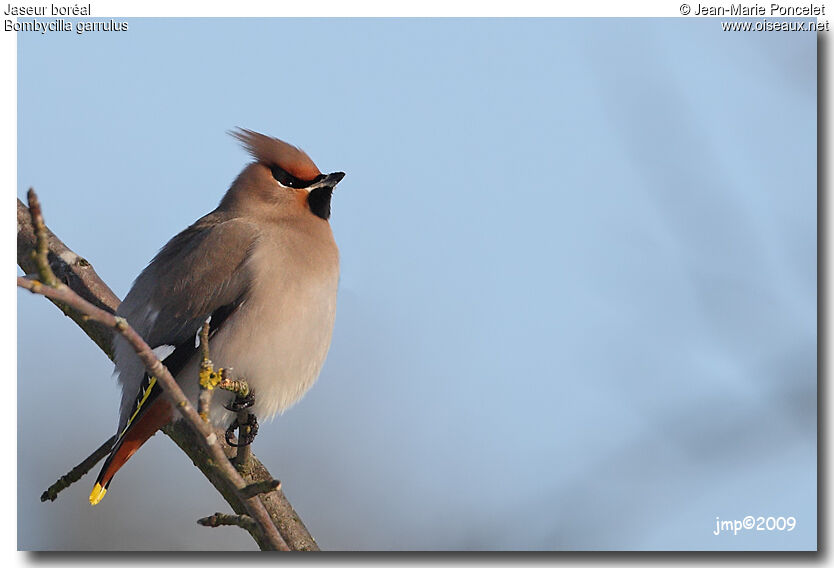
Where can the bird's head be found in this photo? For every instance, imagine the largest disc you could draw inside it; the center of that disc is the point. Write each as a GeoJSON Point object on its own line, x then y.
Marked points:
{"type": "Point", "coordinates": [282, 175]}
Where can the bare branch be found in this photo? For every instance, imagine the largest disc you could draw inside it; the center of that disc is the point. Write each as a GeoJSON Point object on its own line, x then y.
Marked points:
{"type": "Point", "coordinates": [70, 269]}
{"type": "Point", "coordinates": [207, 375]}
{"type": "Point", "coordinates": [78, 471]}
{"type": "Point", "coordinates": [41, 253]}
{"type": "Point", "coordinates": [170, 389]}
{"type": "Point", "coordinates": [280, 510]}
{"type": "Point", "coordinates": [220, 520]}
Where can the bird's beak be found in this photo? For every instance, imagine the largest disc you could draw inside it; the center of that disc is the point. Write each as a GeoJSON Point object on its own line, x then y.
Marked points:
{"type": "Point", "coordinates": [330, 180]}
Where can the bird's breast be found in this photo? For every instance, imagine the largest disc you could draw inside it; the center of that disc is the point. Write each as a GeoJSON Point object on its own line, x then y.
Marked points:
{"type": "Point", "coordinates": [279, 336]}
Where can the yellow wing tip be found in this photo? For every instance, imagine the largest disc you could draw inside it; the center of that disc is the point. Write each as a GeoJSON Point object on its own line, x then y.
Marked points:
{"type": "Point", "coordinates": [97, 494]}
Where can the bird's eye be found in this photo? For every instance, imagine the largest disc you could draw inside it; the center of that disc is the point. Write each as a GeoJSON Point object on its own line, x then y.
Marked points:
{"type": "Point", "coordinates": [288, 180]}
{"type": "Point", "coordinates": [284, 178]}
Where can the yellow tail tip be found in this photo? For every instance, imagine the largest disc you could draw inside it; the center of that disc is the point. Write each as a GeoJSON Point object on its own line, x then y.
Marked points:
{"type": "Point", "coordinates": [97, 494]}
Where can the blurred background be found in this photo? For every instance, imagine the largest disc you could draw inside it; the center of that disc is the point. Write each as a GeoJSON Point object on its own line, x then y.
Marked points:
{"type": "Point", "coordinates": [577, 308]}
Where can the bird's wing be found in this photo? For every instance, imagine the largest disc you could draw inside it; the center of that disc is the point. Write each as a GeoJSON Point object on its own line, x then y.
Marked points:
{"type": "Point", "coordinates": [203, 271]}
{"type": "Point", "coordinates": [200, 270]}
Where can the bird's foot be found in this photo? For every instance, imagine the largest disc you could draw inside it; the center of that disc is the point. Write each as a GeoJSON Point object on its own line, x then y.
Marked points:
{"type": "Point", "coordinates": [241, 402]}
{"type": "Point", "coordinates": [248, 431]}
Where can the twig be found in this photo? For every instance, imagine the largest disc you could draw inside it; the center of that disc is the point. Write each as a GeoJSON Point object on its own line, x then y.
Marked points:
{"type": "Point", "coordinates": [220, 520]}
{"type": "Point", "coordinates": [238, 387]}
{"type": "Point", "coordinates": [260, 487]}
{"type": "Point", "coordinates": [289, 524]}
{"type": "Point", "coordinates": [41, 254]}
{"type": "Point", "coordinates": [204, 343]}
{"type": "Point", "coordinates": [244, 437]}
{"type": "Point", "coordinates": [171, 389]}
{"type": "Point", "coordinates": [156, 369]}
{"type": "Point", "coordinates": [207, 375]}
{"type": "Point", "coordinates": [78, 471]}
{"type": "Point", "coordinates": [72, 270]}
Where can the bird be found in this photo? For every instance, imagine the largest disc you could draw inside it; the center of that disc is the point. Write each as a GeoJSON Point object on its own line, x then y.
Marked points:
{"type": "Point", "coordinates": [263, 269]}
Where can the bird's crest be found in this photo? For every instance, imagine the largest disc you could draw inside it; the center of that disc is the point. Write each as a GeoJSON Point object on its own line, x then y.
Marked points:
{"type": "Point", "coordinates": [273, 152]}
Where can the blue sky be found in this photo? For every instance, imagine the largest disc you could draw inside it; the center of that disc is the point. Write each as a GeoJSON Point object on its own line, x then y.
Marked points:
{"type": "Point", "coordinates": [578, 275]}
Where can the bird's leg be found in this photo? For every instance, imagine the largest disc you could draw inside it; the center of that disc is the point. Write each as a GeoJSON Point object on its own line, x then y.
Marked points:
{"type": "Point", "coordinates": [245, 422]}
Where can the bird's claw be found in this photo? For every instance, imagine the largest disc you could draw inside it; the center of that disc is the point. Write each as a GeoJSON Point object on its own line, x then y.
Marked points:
{"type": "Point", "coordinates": [245, 438]}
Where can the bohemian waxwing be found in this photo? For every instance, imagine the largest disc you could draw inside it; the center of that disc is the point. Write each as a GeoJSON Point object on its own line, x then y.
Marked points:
{"type": "Point", "coordinates": [264, 267]}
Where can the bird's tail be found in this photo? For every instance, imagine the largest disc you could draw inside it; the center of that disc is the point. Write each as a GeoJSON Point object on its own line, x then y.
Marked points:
{"type": "Point", "coordinates": [151, 412]}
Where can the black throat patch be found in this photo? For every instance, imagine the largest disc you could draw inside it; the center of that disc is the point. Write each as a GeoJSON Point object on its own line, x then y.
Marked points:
{"type": "Point", "coordinates": [319, 201]}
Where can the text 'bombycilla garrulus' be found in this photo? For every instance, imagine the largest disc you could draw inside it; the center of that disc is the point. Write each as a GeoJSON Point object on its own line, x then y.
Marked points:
{"type": "Point", "coordinates": [264, 267]}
